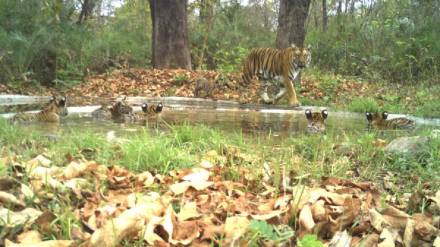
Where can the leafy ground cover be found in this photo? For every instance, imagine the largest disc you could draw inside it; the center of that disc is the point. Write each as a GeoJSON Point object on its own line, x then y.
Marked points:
{"type": "Point", "coordinates": [194, 185]}
{"type": "Point", "coordinates": [320, 89]}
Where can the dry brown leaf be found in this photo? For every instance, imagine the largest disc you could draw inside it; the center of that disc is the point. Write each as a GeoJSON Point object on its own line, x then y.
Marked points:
{"type": "Point", "coordinates": [340, 239]}
{"type": "Point", "coordinates": [29, 237]}
{"type": "Point", "coordinates": [409, 233]}
{"type": "Point", "coordinates": [268, 216]}
{"type": "Point", "coordinates": [377, 220]}
{"type": "Point", "coordinates": [437, 242]}
{"type": "Point", "coordinates": [130, 222]}
{"type": "Point", "coordinates": [40, 160]}
{"type": "Point", "coordinates": [182, 187]}
{"type": "Point", "coordinates": [188, 211]}
{"type": "Point", "coordinates": [10, 200]}
{"type": "Point", "coordinates": [370, 240]}
{"type": "Point", "coordinates": [50, 243]}
{"type": "Point", "coordinates": [306, 222]}
{"type": "Point", "coordinates": [235, 227]}
{"type": "Point", "coordinates": [436, 199]}
{"type": "Point", "coordinates": [387, 239]}
{"type": "Point", "coordinates": [185, 233]}
{"type": "Point", "coordinates": [197, 175]}
{"type": "Point", "coordinates": [146, 179]}
{"type": "Point", "coordinates": [11, 218]}
{"type": "Point", "coordinates": [318, 211]}
{"type": "Point", "coordinates": [74, 169]}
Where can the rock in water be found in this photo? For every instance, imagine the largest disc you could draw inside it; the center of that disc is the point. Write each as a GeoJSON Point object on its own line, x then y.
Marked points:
{"type": "Point", "coordinates": [411, 146]}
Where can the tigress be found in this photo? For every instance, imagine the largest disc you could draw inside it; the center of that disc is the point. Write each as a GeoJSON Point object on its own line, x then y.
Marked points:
{"type": "Point", "coordinates": [51, 113]}
{"type": "Point", "coordinates": [379, 120]}
{"type": "Point", "coordinates": [316, 120]}
{"type": "Point", "coordinates": [204, 87]}
{"type": "Point", "coordinates": [282, 65]}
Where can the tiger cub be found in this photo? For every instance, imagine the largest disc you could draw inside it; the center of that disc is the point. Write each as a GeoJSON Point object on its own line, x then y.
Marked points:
{"type": "Point", "coordinates": [119, 111]}
{"type": "Point", "coordinates": [316, 120]}
{"type": "Point", "coordinates": [51, 113]}
{"type": "Point", "coordinates": [280, 65]}
{"type": "Point", "coordinates": [204, 87]}
{"type": "Point", "coordinates": [379, 120]}
{"type": "Point", "coordinates": [149, 111]}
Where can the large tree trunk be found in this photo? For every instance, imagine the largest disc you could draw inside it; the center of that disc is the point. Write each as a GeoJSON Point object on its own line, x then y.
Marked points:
{"type": "Point", "coordinates": [291, 22]}
{"type": "Point", "coordinates": [324, 15]}
{"type": "Point", "coordinates": [170, 34]}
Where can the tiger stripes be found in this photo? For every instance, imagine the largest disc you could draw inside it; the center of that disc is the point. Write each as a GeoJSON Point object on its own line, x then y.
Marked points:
{"type": "Point", "coordinates": [51, 113]}
{"type": "Point", "coordinates": [282, 65]}
{"type": "Point", "coordinates": [380, 120]}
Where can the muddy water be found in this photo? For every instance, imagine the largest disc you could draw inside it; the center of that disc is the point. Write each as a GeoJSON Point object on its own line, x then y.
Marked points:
{"type": "Point", "coordinates": [262, 122]}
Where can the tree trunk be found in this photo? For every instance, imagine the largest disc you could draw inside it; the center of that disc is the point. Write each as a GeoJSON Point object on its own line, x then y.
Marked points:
{"type": "Point", "coordinates": [86, 10]}
{"type": "Point", "coordinates": [339, 15]}
{"type": "Point", "coordinates": [324, 15]}
{"type": "Point", "coordinates": [170, 34]}
{"type": "Point", "coordinates": [291, 22]}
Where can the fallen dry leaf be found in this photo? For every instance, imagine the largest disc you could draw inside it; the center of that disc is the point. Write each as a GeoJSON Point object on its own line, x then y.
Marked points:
{"type": "Point", "coordinates": [235, 227]}
{"type": "Point", "coordinates": [49, 243]}
{"type": "Point", "coordinates": [130, 222]}
{"type": "Point", "coordinates": [29, 237]}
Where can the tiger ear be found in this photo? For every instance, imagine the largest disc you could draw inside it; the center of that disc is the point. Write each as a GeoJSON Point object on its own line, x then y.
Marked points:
{"type": "Point", "coordinates": [385, 115]}
{"type": "Point", "coordinates": [309, 47]}
{"type": "Point", "coordinates": [369, 116]}
{"type": "Point", "coordinates": [293, 45]}
{"type": "Point", "coordinates": [308, 114]}
{"type": "Point", "coordinates": [62, 101]}
{"type": "Point", "coordinates": [324, 114]}
{"type": "Point", "coordinates": [144, 107]}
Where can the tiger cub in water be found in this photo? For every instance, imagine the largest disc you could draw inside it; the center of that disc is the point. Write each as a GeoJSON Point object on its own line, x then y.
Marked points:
{"type": "Point", "coordinates": [204, 88]}
{"type": "Point", "coordinates": [379, 120]}
{"type": "Point", "coordinates": [316, 120]}
{"type": "Point", "coordinates": [51, 113]}
{"type": "Point", "coordinates": [149, 111]}
{"type": "Point", "coordinates": [119, 111]}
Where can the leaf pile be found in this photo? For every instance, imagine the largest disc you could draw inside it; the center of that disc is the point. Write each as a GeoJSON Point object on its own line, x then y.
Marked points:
{"type": "Point", "coordinates": [160, 83]}
{"type": "Point", "coordinates": [89, 204]}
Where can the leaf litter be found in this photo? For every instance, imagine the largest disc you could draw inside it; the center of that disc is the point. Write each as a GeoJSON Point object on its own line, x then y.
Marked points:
{"type": "Point", "coordinates": [199, 206]}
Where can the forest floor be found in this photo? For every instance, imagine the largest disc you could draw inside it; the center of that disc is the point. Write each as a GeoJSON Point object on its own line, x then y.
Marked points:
{"type": "Point", "coordinates": [319, 89]}
{"type": "Point", "coordinates": [199, 187]}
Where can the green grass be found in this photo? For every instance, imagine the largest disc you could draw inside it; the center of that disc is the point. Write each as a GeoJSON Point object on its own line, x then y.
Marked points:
{"type": "Point", "coordinates": [419, 100]}
{"type": "Point", "coordinates": [364, 105]}
{"type": "Point", "coordinates": [183, 146]}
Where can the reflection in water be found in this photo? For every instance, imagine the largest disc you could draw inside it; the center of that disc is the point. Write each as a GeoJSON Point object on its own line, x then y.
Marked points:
{"type": "Point", "coordinates": [246, 121]}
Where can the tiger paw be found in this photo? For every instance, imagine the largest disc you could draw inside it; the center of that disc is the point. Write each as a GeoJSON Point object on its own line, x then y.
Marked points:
{"type": "Point", "coordinates": [295, 104]}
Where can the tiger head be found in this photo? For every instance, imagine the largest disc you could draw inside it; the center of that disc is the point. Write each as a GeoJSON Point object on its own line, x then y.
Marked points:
{"type": "Point", "coordinates": [58, 106]}
{"type": "Point", "coordinates": [316, 120]}
{"type": "Point", "coordinates": [121, 108]}
{"type": "Point", "coordinates": [302, 56]}
{"type": "Point", "coordinates": [62, 107]}
{"type": "Point", "coordinates": [376, 118]}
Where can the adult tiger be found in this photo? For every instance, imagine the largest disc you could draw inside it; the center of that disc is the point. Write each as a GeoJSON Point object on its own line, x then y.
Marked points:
{"type": "Point", "coordinates": [51, 113]}
{"type": "Point", "coordinates": [282, 65]}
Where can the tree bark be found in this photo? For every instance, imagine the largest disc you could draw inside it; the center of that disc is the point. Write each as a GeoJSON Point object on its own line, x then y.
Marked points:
{"type": "Point", "coordinates": [324, 15]}
{"type": "Point", "coordinates": [291, 23]}
{"type": "Point", "coordinates": [170, 34]}
{"type": "Point", "coordinates": [86, 10]}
